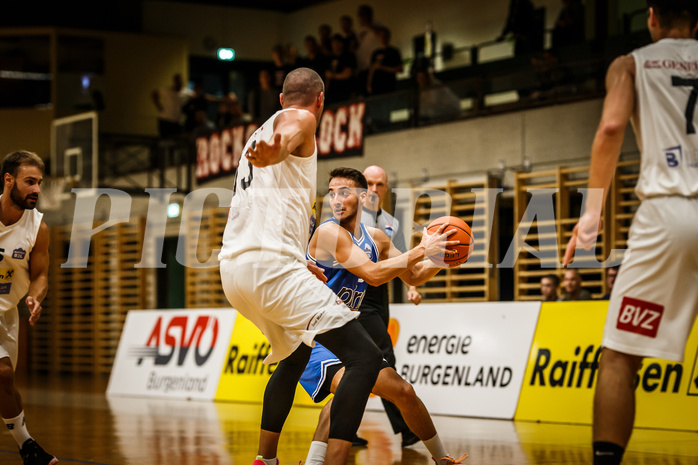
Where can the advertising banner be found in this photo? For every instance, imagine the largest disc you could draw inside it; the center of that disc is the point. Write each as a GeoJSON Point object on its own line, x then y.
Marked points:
{"type": "Point", "coordinates": [218, 152]}
{"type": "Point", "coordinates": [465, 358]}
{"type": "Point", "coordinates": [563, 367]}
{"type": "Point", "coordinates": [341, 132]}
{"type": "Point", "coordinates": [244, 377]}
{"type": "Point", "coordinates": [172, 353]}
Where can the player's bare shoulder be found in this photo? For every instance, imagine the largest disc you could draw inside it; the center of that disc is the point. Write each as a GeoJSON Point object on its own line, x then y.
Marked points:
{"type": "Point", "coordinates": [331, 240]}
{"type": "Point", "coordinates": [330, 235]}
{"type": "Point", "coordinates": [43, 229]}
{"type": "Point", "coordinates": [295, 116]}
{"type": "Point", "coordinates": [42, 238]}
{"type": "Point", "coordinates": [624, 64]}
{"type": "Point", "coordinates": [299, 123]}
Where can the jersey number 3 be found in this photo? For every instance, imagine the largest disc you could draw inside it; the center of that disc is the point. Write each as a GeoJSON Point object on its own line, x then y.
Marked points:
{"type": "Point", "coordinates": [677, 81]}
{"type": "Point", "coordinates": [245, 182]}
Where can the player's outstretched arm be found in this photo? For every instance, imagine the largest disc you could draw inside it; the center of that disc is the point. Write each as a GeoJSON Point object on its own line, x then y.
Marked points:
{"type": "Point", "coordinates": [416, 275]}
{"type": "Point", "coordinates": [294, 134]}
{"type": "Point", "coordinates": [617, 109]}
{"type": "Point", "coordinates": [432, 244]}
{"type": "Point", "coordinates": [333, 240]}
{"type": "Point", "coordinates": [38, 274]}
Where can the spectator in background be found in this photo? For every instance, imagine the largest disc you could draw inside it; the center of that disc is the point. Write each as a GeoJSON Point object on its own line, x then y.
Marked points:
{"type": "Point", "coordinates": [339, 78]}
{"type": "Point", "coordinates": [549, 75]}
{"type": "Point", "coordinates": [351, 42]}
{"type": "Point", "coordinates": [386, 63]}
{"type": "Point", "coordinates": [520, 23]}
{"type": "Point", "coordinates": [197, 102]}
{"type": "Point", "coordinates": [569, 29]}
{"type": "Point", "coordinates": [237, 115]}
{"type": "Point", "coordinates": [437, 102]}
{"type": "Point", "coordinates": [292, 54]}
{"type": "Point", "coordinates": [313, 58]}
{"type": "Point", "coordinates": [169, 102]}
{"type": "Point", "coordinates": [230, 112]}
{"type": "Point", "coordinates": [325, 39]}
{"type": "Point", "coordinates": [281, 69]}
{"type": "Point", "coordinates": [263, 100]}
{"type": "Point", "coordinates": [424, 47]}
{"type": "Point", "coordinates": [549, 284]}
{"type": "Point", "coordinates": [203, 126]}
{"type": "Point", "coordinates": [573, 286]}
{"type": "Point", "coordinates": [367, 43]}
{"type": "Point", "coordinates": [611, 274]}
{"type": "Point", "coordinates": [224, 116]}
{"type": "Point", "coordinates": [570, 24]}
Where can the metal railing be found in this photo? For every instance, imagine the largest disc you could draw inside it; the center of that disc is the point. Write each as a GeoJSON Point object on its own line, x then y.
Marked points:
{"type": "Point", "coordinates": [487, 86]}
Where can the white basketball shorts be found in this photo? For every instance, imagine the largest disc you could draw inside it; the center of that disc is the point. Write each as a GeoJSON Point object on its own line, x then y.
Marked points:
{"type": "Point", "coordinates": [284, 300]}
{"type": "Point", "coordinates": [654, 302]}
{"type": "Point", "coordinates": [9, 332]}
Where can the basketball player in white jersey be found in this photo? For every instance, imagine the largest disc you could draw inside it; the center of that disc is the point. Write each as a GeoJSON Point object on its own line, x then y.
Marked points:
{"type": "Point", "coordinates": [265, 276]}
{"type": "Point", "coordinates": [655, 298]}
{"type": "Point", "coordinates": [24, 239]}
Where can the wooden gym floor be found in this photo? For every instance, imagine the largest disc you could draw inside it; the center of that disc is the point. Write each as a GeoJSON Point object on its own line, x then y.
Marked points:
{"type": "Point", "coordinates": [72, 418]}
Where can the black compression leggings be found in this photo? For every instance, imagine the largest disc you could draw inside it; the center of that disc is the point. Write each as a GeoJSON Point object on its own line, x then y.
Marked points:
{"type": "Point", "coordinates": [362, 362]}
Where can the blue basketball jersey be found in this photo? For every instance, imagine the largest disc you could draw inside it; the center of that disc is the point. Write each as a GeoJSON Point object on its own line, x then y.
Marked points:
{"type": "Point", "coordinates": [351, 289]}
{"type": "Point", "coordinates": [348, 287]}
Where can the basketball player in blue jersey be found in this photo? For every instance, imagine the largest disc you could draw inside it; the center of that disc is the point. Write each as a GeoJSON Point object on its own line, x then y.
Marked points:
{"type": "Point", "coordinates": [375, 309]}
{"type": "Point", "coordinates": [338, 247]}
{"type": "Point", "coordinates": [24, 240]}
{"type": "Point", "coordinates": [265, 275]}
{"type": "Point", "coordinates": [654, 301]}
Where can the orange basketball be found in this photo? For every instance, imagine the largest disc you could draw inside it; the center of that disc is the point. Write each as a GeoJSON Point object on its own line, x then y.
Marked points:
{"type": "Point", "coordinates": [456, 254]}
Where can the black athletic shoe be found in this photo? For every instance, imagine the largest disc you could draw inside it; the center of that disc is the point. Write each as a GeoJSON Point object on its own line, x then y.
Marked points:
{"type": "Point", "coordinates": [33, 454]}
{"type": "Point", "coordinates": [359, 442]}
{"type": "Point", "coordinates": [409, 438]}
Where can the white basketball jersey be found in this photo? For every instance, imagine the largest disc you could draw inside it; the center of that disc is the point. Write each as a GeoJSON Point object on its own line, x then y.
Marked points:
{"type": "Point", "coordinates": [16, 244]}
{"type": "Point", "coordinates": [272, 207]}
{"type": "Point", "coordinates": [665, 120]}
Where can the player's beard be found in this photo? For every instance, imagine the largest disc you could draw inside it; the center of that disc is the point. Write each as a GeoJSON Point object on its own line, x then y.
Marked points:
{"type": "Point", "coordinates": [25, 203]}
{"type": "Point", "coordinates": [349, 216]}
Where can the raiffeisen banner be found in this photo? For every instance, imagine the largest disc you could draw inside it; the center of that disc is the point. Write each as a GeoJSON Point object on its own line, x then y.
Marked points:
{"type": "Point", "coordinates": [563, 369]}
{"type": "Point", "coordinates": [243, 376]}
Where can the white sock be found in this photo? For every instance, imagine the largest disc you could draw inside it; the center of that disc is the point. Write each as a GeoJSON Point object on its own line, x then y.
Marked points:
{"type": "Point", "coordinates": [17, 428]}
{"type": "Point", "coordinates": [273, 461]}
{"type": "Point", "coordinates": [436, 447]}
{"type": "Point", "coordinates": [316, 454]}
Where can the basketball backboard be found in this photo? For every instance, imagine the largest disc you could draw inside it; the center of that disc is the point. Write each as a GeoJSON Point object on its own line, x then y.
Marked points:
{"type": "Point", "coordinates": [74, 149]}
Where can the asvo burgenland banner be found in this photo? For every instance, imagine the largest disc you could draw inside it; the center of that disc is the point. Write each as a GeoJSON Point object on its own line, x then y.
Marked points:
{"type": "Point", "coordinates": [172, 353]}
